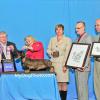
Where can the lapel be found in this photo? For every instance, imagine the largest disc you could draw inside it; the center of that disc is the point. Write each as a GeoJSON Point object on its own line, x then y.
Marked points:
{"type": "Point", "coordinates": [3, 55]}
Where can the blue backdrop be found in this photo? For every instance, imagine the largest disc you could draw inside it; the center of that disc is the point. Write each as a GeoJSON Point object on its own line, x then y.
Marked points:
{"type": "Point", "coordinates": [20, 18]}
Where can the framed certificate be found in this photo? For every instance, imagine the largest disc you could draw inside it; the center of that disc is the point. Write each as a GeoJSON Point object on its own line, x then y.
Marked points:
{"type": "Point", "coordinates": [8, 65]}
{"type": "Point", "coordinates": [95, 51]}
{"type": "Point", "coordinates": [77, 55]}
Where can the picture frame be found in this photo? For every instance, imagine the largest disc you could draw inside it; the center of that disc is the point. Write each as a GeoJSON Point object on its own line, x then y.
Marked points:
{"type": "Point", "coordinates": [95, 50]}
{"type": "Point", "coordinates": [8, 65]}
{"type": "Point", "coordinates": [77, 55]}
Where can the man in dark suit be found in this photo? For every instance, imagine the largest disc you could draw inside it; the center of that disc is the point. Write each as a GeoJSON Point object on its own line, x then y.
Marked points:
{"type": "Point", "coordinates": [9, 49]}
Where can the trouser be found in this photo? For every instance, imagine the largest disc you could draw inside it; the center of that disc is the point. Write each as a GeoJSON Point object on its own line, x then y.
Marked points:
{"type": "Point", "coordinates": [82, 85]}
{"type": "Point", "coordinates": [97, 79]}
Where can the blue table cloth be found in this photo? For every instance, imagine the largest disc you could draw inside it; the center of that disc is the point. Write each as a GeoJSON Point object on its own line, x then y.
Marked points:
{"type": "Point", "coordinates": [28, 87]}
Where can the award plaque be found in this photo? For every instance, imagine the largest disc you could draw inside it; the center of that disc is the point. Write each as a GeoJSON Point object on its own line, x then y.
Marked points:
{"type": "Point", "coordinates": [95, 51]}
{"type": "Point", "coordinates": [77, 55]}
{"type": "Point", "coordinates": [8, 65]}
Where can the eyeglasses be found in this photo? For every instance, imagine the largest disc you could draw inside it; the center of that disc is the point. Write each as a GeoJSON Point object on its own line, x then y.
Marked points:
{"type": "Point", "coordinates": [79, 27]}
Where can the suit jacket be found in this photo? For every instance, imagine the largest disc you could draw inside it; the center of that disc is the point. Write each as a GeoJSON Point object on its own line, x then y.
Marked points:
{"type": "Point", "coordinates": [63, 47]}
{"type": "Point", "coordinates": [88, 40]}
{"type": "Point", "coordinates": [96, 38]}
{"type": "Point", "coordinates": [13, 53]}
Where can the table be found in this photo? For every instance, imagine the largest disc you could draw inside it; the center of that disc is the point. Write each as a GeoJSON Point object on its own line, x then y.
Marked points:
{"type": "Point", "coordinates": [33, 86]}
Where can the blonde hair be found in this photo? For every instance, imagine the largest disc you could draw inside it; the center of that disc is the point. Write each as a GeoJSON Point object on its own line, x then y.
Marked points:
{"type": "Point", "coordinates": [30, 37]}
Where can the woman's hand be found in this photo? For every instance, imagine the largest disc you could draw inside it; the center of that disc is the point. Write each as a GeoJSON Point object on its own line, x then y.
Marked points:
{"type": "Point", "coordinates": [24, 47]}
{"type": "Point", "coordinates": [64, 69]}
{"type": "Point", "coordinates": [27, 47]}
{"type": "Point", "coordinates": [52, 69]}
{"type": "Point", "coordinates": [11, 47]}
